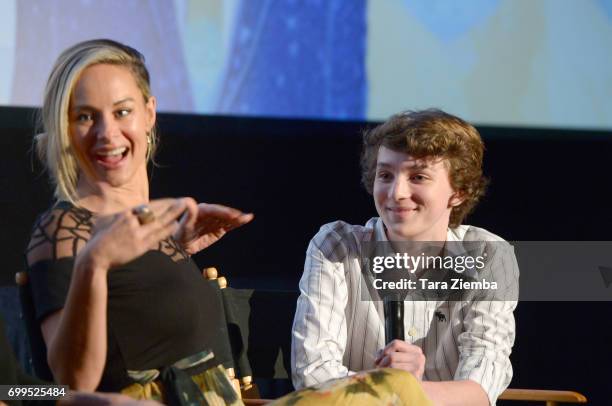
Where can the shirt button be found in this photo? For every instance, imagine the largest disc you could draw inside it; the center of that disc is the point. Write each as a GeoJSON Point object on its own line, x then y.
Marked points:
{"type": "Point", "coordinates": [412, 332]}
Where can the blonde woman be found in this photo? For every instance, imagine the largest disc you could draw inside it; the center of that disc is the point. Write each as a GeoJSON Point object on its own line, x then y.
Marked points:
{"type": "Point", "coordinates": [121, 305]}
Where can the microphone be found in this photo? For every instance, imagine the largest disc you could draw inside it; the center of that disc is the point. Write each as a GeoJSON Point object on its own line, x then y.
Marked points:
{"type": "Point", "coordinates": [394, 318]}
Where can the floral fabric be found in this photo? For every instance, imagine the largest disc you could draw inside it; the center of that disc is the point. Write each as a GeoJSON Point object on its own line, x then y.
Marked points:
{"type": "Point", "coordinates": [215, 387]}
{"type": "Point", "coordinates": [389, 387]}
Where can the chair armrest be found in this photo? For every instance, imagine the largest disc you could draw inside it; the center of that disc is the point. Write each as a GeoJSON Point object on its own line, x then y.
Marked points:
{"type": "Point", "coordinates": [562, 396]}
{"type": "Point", "coordinates": [256, 402]}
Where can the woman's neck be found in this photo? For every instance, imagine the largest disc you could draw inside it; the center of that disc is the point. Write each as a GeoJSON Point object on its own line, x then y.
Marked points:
{"type": "Point", "coordinates": [102, 198]}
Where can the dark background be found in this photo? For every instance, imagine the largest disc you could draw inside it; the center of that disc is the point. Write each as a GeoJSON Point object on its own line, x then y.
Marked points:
{"type": "Point", "coordinates": [296, 175]}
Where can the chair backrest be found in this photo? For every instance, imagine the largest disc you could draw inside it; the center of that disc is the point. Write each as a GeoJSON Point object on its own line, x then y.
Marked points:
{"type": "Point", "coordinates": [37, 343]}
{"type": "Point", "coordinates": [263, 320]}
{"type": "Point", "coordinates": [259, 325]}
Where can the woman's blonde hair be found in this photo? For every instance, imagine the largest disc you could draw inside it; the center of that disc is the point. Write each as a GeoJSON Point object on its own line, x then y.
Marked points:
{"type": "Point", "coordinates": [53, 145]}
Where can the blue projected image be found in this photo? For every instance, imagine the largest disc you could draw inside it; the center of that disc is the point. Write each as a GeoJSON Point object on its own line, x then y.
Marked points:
{"type": "Point", "coordinates": [297, 59]}
{"type": "Point", "coordinates": [449, 19]}
{"type": "Point", "coordinates": [500, 62]}
{"type": "Point", "coordinates": [607, 6]}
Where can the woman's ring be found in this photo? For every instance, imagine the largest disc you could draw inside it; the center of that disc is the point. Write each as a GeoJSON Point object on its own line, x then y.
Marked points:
{"type": "Point", "coordinates": [144, 214]}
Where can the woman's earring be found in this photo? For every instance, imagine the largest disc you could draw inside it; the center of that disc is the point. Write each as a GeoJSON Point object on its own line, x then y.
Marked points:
{"type": "Point", "coordinates": [149, 145]}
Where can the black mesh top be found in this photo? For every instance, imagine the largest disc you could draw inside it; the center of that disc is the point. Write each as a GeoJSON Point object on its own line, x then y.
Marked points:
{"type": "Point", "coordinates": [160, 307]}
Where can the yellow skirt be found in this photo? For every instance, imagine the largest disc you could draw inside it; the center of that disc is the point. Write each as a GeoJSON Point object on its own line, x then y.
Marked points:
{"type": "Point", "coordinates": [214, 384]}
{"type": "Point", "coordinates": [388, 387]}
{"type": "Point", "coordinates": [370, 388]}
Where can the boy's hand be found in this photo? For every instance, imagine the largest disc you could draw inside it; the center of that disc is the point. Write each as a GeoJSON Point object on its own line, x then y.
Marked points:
{"type": "Point", "coordinates": [401, 355]}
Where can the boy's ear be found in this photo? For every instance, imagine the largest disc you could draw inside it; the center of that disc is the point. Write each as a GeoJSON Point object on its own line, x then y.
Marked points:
{"type": "Point", "coordinates": [456, 198]}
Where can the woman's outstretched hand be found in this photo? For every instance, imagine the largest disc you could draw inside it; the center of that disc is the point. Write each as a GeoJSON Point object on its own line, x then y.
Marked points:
{"type": "Point", "coordinates": [204, 224]}
{"type": "Point", "coordinates": [119, 238]}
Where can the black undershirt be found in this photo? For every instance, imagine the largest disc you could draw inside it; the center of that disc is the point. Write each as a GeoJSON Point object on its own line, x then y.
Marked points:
{"type": "Point", "coordinates": [160, 307]}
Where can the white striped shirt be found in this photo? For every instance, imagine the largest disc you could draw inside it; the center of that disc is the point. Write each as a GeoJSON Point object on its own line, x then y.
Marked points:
{"type": "Point", "coordinates": [335, 332]}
